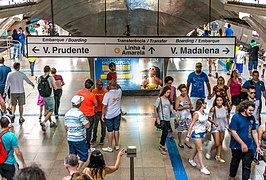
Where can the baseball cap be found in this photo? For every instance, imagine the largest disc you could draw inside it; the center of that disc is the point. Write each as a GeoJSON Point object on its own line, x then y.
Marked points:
{"type": "Point", "coordinates": [198, 64]}
{"type": "Point", "coordinates": [76, 100]}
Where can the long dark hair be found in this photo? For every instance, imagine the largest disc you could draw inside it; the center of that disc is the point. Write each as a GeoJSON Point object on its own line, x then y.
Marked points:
{"type": "Point", "coordinates": [163, 91]}
{"type": "Point", "coordinates": [97, 164]}
{"type": "Point", "coordinates": [199, 103]}
{"type": "Point", "coordinates": [232, 75]}
{"type": "Point", "coordinates": [215, 104]}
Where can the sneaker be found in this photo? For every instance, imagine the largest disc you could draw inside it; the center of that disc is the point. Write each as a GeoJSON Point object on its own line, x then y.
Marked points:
{"type": "Point", "coordinates": [163, 150]}
{"type": "Point", "coordinates": [56, 117]}
{"type": "Point", "coordinates": [208, 156]}
{"type": "Point", "coordinates": [91, 150]}
{"type": "Point", "coordinates": [107, 149]}
{"type": "Point", "coordinates": [53, 124]}
{"type": "Point", "coordinates": [43, 126]}
{"type": "Point", "coordinates": [12, 118]}
{"type": "Point", "coordinates": [256, 161]}
{"type": "Point", "coordinates": [205, 171]}
{"type": "Point", "coordinates": [117, 148]}
{"type": "Point", "coordinates": [21, 120]}
{"type": "Point", "coordinates": [219, 159]}
{"type": "Point", "coordinates": [93, 140]}
{"type": "Point", "coordinates": [192, 162]}
{"type": "Point", "coordinates": [40, 117]}
{"type": "Point", "coordinates": [101, 141]}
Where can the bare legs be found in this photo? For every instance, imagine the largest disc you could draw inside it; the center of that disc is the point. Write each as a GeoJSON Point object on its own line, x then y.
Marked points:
{"type": "Point", "coordinates": [198, 150]}
{"type": "Point", "coordinates": [112, 135]}
{"type": "Point", "coordinates": [218, 139]}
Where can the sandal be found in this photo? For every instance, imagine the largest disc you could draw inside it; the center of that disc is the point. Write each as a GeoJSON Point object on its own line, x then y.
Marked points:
{"type": "Point", "coordinates": [181, 146]}
{"type": "Point", "coordinates": [188, 146]}
{"type": "Point", "coordinates": [162, 148]}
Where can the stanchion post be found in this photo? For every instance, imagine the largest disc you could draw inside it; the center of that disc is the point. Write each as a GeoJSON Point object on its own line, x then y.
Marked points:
{"type": "Point", "coordinates": [131, 153]}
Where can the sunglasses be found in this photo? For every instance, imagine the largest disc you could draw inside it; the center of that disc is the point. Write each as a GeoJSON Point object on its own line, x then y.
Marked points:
{"type": "Point", "coordinates": [198, 66]}
{"type": "Point", "coordinates": [152, 69]}
{"type": "Point", "coordinates": [252, 92]}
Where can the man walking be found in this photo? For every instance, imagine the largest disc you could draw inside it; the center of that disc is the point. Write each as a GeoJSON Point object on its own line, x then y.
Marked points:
{"type": "Point", "coordinates": [75, 125]}
{"type": "Point", "coordinates": [197, 80]}
{"type": "Point", "coordinates": [253, 53]}
{"type": "Point", "coordinates": [10, 142]}
{"type": "Point", "coordinates": [15, 83]}
{"type": "Point", "coordinates": [48, 100]}
{"type": "Point", "coordinates": [22, 39]}
{"type": "Point", "coordinates": [243, 134]}
{"type": "Point", "coordinates": [111, 114]}
{"type": "Point", "coordinates": [4, 70]}
{"type": "Point", "coordinates": [99, 93]}
{"type": "Point", "coordinates": [87, 107]}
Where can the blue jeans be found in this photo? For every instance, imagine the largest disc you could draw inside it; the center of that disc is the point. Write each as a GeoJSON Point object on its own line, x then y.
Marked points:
{"type": "Point", "coordinates": [252, 65]}
{"type": "Point", "coordinates": [79, 148]}
{"type": "Point", "coordinates": [23, 50]}
{"type": "Point", "coordinates": [16, 48]}
{"type": "Point", "coordinates": [32, 67]}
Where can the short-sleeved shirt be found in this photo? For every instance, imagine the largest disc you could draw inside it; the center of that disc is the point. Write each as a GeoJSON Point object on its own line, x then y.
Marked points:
{"type": "Point", "coordinates": [259, 86]}
{"type": "Point", "coordinates": [112, 100]}
{"type": "Point", "coordinates": [22, 38]}
{"type": "Point", "coordinates": [221, 91]}
{"type": "Point", "coordinates": [15, 37]}
{"type": "Point", "coordinates": [197, 82]}
{"type": "Point", "coordinates": [51, 82]}
{"type": "Point", "coordinates": [99, 94]}
{"type": "Point", "coordinates": [10, 142]}
{"type": "Point", "coordinates": [4, 70]}
{"type": "Point", "coordinates": [75, 122]}
{"type": "Point", "coordinates": [240, 57]}
{"type": "Point", "coordinates": [164, 108]}
{"type": "Point", "coordinates": [253, 53]}
{"type": "Point", "coordinates": [214, 26]}
{"type": "Point", "coordinates": [111, 76]}
{"type": "Point", "coordinates": [58, 80]}
{"type": "Point", "coordinates": [243, 127]}
{"type": "Point", "coordinates": [228, 32]}
{"type": "Point", "coordinates": [87, 105]}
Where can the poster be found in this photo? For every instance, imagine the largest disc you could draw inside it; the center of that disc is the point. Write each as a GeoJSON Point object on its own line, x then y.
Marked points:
{"type": "Point", "coordinates": [132, 73]}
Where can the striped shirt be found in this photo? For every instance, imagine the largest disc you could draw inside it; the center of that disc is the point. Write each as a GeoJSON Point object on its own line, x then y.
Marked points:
{"type": "Point", "coordinates": [75, 121]}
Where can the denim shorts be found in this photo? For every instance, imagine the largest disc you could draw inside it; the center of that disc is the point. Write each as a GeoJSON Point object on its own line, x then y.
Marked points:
{"type": "Point", "coordinates": [49, 103]}
{"type": "Point", "coordinates": [252, 65]}
{"type": "Point", "coordinates": [113, 124]}
{"type": "Point", "coordinates": [201, 135]}
{"type": "Point", "coordinates": [79, 148]}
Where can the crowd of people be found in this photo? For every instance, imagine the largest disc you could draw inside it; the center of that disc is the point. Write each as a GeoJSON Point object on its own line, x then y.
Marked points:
{"type": "Point", "coordinates": [190, 116]}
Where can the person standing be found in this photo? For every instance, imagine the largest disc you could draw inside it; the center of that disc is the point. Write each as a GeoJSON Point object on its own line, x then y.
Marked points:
{"type": "Point", "coordinates": [214, 28]}
{"type": "Point", "coordinates": [10, 142]}
{"type": "Point", "coordinates": [197, 132]}
{"type": "Point", "coordinates": [16, 42]}
{"type": "Point", "coordinates": [229, 31]}
{"type": "Point", "coordinates": [243, 134]}
{"type": "Point", "coordinates": [99, 93]}
{"type": "Point", "coordinates": [253, 60]}
{"type": "Point", "coordinates": [4, 70]}
{"type": "Point", "coordinates": [15, 83]}
{"type": "Point", "coordinates": [111, 114]}
{"type": "Point", "coordinates": [87, 107]}
{"type": "Point", "coordinates": [49, 103]}
{"type": "Point", "coordinates": [75, 125]}
{"type": "Point", "coordinates": [183, 107]}
{"type": "Point", "coordinates": [22, 39]}
{"type": "Point", "coordinates": [240, 59]}
{"type": "Point", "coordinates": [71, 163]}
{"type": "Point", "coordinates": [197, 80]}
{"type": "Point", "coordinates": [260, 89]}
{"type": "Point", "coordinates": [32, 61]}
{"type": "Point", "coordinates": [58, 92]}
{"type": "Point", "coordinates": [162, 109]}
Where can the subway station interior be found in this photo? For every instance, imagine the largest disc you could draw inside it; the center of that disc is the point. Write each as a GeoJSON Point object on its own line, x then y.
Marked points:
{"type": "Point", "coordinates": [127, 19]}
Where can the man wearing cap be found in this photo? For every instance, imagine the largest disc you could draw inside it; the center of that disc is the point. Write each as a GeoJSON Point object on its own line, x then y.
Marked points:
{"type": "Point", "coordinates": [253, 53]}
{"type": "Point", "coordinates": [197, 80]}
{"type": "Point", "coordinates": [111, 114]}
{"type": "Point", "coordinates": [75, 125]}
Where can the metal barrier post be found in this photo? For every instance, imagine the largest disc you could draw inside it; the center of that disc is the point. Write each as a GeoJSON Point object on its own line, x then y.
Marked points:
{"type": "Point", "coordinates": [131, 153]}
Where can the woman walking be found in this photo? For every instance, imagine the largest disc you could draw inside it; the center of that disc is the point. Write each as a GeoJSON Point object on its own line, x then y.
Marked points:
{"type": "Point", "coordinates": [183, 107]}
{"type": "Point", "coordinates": [197, 132]}
{"type": "Point", "coordinates": [235, 83]}
{"type": "Point", "coordinates": [162, 109]}
{"type": "Point", "coordinates": [17, 46]}
{"type": "Point", "coordinates": [218, 117]}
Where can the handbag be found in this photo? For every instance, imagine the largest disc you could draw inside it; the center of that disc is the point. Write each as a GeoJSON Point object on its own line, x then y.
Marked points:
{"type": "Point", "coordinates": [159, 126]}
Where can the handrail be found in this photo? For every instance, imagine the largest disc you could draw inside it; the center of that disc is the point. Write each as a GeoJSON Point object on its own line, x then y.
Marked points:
{"type": "Point", "coordinates": [9, 43]}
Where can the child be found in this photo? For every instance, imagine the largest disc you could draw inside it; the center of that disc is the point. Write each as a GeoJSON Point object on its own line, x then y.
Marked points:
{"type": "Point", "coordinates": [240, 58]}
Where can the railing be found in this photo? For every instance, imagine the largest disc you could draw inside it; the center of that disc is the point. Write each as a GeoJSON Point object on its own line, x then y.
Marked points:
{"type": "Point", "coordinates": [5, 45]}
{"type": "Point", "coordinates": [250, 2]}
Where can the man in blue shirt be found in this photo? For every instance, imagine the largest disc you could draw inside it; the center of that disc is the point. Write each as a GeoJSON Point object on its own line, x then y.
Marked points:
{"type": "Point", "coordinates": [243, 136]}
{"type": "Point", "coordinates": [214, 28]}
{"type": "Point", "coordinates": [229, 31]}
{"type": "Point", "coordinates": [205, 34]}
{"type": "Point", "coordinates": [10, 142]}
{"type": "Point", "coordinates": [75, 125]}
{"type": "Point", "coordinates": [4, 70]}
{"type": "Point", "coordinates": [197, 80]}
{"type": "Point", "coordinates": [260, 89]}
{"type": "Point", "coordinates": [22, 38]}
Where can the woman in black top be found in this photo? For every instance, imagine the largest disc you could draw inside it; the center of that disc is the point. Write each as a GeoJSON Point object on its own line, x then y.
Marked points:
{"type": "Point", "coordinates": [15, 39]}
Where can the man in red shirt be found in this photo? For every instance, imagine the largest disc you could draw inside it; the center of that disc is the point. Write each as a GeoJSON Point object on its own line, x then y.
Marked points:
{"type": "Point", "coordinates": [99, 92]}
{"type": "Point", "coordinates": [87, 107]}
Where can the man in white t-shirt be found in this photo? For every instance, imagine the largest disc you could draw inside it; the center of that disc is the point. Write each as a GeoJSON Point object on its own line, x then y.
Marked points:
{"type": "Point", "coordinates": [111, 114]}
{"type": "Point", "coordinates": [240, 58]}
{"type": "Point", "coordinates": [264, 62]}
{"type": "Point", "coordinates": [39, 30]}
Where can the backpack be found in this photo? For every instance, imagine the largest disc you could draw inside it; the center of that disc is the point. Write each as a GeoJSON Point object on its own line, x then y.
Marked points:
{"type": "Point", "coordinates": [3, 153]}
{"type": "Point", "coordinates": [44, 87]}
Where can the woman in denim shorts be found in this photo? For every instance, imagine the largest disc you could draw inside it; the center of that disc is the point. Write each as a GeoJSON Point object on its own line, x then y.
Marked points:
{"type": "Point", "coordinates": [197, 132]}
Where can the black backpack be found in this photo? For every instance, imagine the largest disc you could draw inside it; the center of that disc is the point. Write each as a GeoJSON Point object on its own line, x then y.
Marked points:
{"type": "Point", "coordinates": [44, 87]}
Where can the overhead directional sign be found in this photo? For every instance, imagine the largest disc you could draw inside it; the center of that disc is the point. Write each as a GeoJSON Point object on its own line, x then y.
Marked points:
{"type": "Point", "coordinates": [192, 47]}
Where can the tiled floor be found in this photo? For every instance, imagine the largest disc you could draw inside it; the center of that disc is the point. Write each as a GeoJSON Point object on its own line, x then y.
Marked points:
{"type": "Point", "coordinates": [48, 150]}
